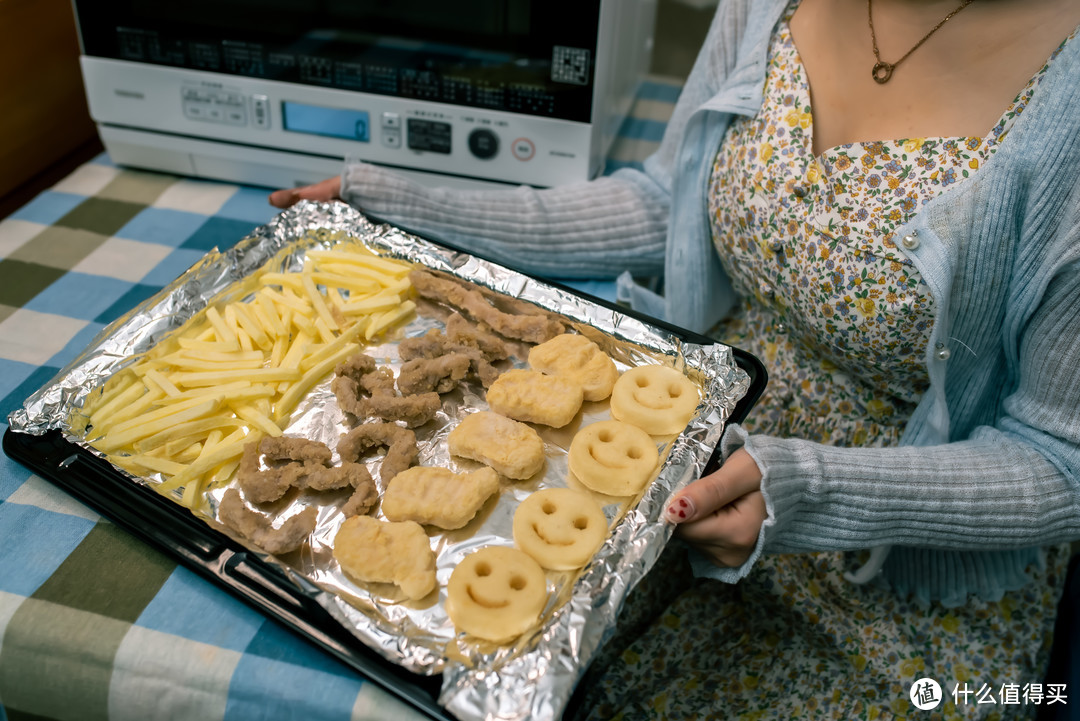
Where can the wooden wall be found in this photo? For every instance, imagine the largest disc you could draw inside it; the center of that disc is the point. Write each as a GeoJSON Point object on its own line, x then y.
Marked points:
{"type": "Point", "coordinates": [43, 113]}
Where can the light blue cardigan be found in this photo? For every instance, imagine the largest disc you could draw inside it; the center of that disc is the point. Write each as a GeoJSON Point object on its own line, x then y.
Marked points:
{"type": "Point", "coordinates": [987, 471]}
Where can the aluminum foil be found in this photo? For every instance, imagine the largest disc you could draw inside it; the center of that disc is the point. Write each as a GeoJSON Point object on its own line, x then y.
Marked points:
{"type": "Point", "coordinates": [534, 677]}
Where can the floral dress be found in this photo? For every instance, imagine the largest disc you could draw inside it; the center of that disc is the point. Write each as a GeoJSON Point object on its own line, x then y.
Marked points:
{"type": "Point", "coordinates": [842, 320]}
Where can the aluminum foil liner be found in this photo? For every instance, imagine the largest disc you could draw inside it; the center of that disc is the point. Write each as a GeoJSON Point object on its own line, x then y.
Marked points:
{"type": "Point", "coordinates": [534, 677]}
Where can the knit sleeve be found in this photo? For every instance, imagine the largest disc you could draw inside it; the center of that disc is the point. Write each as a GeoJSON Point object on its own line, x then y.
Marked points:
{"type": "Point", "coordinates": [594, 229]}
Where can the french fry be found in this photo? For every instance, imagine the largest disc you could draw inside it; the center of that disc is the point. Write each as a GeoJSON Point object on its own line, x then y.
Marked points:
{"type": "Point", "coordinates": [388, 318]}
{"type": "Point", "coordinates": [317, 302]}
{"type": "Point", "coordinates": [220, 453]}
{"type": "Point", "coordinates": [158, 378]}
{"type": "Point", "coordinates": [212, 378]}
{"type": "Point", "coordinates": [210, 346]}
{"type": "Point", "coordinates": [224, 332]}
{"type": "Point", "coordinates": [117, 437]}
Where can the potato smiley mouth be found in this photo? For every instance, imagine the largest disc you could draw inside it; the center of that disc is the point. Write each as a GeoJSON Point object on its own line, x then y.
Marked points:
{"type": "Point", "coordinates": [485, 601]}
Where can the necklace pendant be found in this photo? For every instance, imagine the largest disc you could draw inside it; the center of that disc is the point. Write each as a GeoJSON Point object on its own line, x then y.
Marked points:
{"type": "Point", "coordinates": [882, 72]}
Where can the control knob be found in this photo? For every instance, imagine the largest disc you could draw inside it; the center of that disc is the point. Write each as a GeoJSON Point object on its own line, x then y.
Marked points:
{"type": "Point", "coordinates": [483, 143]}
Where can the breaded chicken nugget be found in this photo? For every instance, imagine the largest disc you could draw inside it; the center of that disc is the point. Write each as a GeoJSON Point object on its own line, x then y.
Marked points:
{"type": "Point", "coordinates": [513, 449]}
{"type": "Point", "coordinates": [531, 396]}
{"type": "Point", "coordinates": [384, 552]}
{"type": "Point", "coordinates": [437, 496]}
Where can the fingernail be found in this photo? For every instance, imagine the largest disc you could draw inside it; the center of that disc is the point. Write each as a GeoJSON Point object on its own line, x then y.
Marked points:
{"type": "Point", "coordinates": [679, 509]}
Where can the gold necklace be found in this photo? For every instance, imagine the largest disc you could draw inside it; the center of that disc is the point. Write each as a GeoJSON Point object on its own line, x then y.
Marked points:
{"type": "Point", "coordinates": [882, 70]}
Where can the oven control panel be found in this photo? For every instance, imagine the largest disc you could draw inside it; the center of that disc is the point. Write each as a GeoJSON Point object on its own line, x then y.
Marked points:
{"type": "Point", "coordinates": [323, 122]}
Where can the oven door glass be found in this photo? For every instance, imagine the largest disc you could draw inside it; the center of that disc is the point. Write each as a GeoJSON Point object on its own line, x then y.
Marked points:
{"type": "Point", "coordinates": [535, 57]}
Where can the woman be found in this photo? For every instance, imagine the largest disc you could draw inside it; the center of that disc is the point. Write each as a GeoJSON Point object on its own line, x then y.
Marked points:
{"type": "Point", "coordinates": [882, 201]}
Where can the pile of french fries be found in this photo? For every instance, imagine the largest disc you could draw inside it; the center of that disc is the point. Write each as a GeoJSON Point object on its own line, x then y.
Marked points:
{"type": "Point", "coordinates": [238, 369]}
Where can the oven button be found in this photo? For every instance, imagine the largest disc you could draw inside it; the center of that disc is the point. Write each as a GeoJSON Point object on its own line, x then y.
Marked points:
{"type": "Point", "coordinates": [523, 149]}
{"type": "Point", "coordinates": [391, 121]}
{"type": "Point", "coordinates": [483, 143]}
{"type": "Point", "coordinates": [391, 137]}
{"type": "Point", "coordinates": [260, 111]}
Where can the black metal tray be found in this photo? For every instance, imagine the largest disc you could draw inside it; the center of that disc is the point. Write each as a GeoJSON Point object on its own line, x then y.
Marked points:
{"type": "Point", "coordinates": [168, 526]}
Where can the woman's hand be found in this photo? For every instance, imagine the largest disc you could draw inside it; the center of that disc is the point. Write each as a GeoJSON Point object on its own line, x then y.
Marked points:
{"type": "Point", "coordinates": [323, 191]}
{"type": "Point", "coordinates": [721, 514]}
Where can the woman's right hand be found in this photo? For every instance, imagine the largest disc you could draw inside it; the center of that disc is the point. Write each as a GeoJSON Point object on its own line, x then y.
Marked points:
{"type": "Point", "coordinates": [323, 191]}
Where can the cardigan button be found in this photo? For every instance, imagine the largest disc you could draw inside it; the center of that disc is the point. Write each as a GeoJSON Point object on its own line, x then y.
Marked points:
{"type": "Point", "coordinates": [942, 353]}
{"type": "Point", "coordinates": [800, 191]}
{"type": "Point", "coordinates": [910, 241]}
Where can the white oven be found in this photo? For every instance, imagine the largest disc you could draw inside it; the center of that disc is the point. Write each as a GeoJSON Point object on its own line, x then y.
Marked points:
{"type": "Point", "coordinates": [277, 93]}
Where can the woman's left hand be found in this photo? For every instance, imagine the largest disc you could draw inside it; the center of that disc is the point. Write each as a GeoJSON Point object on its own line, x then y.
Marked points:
{"type": "Point", "coordinates": [721, 514]}
{"type": "Point", "coordinates": [323, 191]}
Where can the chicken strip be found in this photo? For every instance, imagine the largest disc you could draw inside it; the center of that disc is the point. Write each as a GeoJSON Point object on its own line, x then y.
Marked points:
{"type": "Point", "coordinates": [400, 444]}
{"type": "Point", "coordinates": [438, 375]}
{"type": "Point", "coordinates": [529, 328]}
{"type": "Point", "coordinates": [259, 529]}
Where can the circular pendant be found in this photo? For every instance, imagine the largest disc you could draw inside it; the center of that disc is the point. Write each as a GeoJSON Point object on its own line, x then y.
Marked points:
{"type": "Point", "coordinates": [882, 72]}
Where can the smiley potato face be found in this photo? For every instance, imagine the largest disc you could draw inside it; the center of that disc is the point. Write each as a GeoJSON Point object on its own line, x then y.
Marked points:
{"type": "Point", "coordinates": [613, 457]}
{"type": "Point", "coordinates": [560, 528]}
{"type": "Point", "coordinates": [496, 593]}
{"type": "Point", "coordinates": [657, 399]}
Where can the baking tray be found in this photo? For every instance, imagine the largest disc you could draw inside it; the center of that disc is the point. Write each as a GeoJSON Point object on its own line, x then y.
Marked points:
{"type": "Point", "coordinates": [164, 524]}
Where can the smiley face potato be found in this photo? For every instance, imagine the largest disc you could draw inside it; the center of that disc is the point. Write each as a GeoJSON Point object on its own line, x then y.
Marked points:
{"type": "Point", "coordinates": [496, 593]}
{"type": "Point", "coordinates": [613, 457]}
{"type": "Point", "coordinates": [560, 528]}
{"type": "Point", "coordinates": [657, 399]}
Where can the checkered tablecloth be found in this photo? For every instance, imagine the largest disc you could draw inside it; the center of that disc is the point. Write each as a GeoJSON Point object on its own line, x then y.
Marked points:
{"type": "Point", "coordinates": [94, 624]}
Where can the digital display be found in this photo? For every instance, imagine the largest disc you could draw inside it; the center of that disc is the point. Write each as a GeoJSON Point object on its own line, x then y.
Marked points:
{"type": "Point", "coordinates": [331, 122]}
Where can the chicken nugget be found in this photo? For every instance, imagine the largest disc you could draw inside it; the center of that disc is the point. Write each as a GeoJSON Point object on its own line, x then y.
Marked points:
{"type": "Point", "coordinates": [386, 552]}
{"type": "Point", "coordinates": [533, 397]}
{"type": "Point", "coordinates": [437, 496]}
{"type": "Point", "coordinates": [513, 449]}
{"type": "Point", "coordinates": [579, 359]}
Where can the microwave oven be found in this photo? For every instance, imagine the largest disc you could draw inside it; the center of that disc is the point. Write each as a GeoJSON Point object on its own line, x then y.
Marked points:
{"type": "Point", "coordinates": [279, 92]}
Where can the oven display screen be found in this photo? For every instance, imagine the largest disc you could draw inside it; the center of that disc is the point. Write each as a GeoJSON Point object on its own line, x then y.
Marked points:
{"type": "Point", "coordinates": [332, 122]}
{"type": "Point", "coordinates": [535, 57]}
